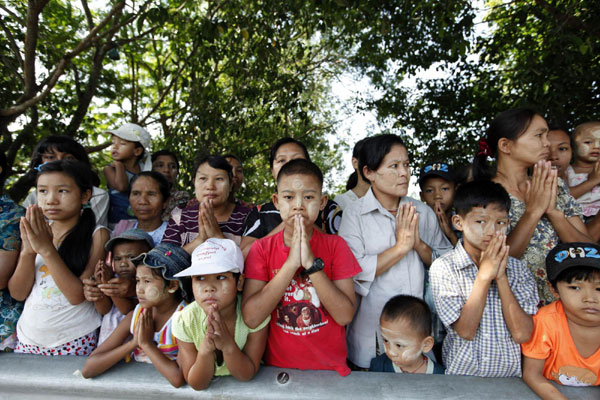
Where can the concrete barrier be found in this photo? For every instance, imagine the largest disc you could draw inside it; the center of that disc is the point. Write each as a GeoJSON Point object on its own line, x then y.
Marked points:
{"type": "Point", "coordinates": [32, 377]}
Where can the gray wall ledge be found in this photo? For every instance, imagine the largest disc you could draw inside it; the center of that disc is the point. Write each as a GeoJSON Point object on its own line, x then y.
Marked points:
{"type": "Point", "coordinates": [31, 377]}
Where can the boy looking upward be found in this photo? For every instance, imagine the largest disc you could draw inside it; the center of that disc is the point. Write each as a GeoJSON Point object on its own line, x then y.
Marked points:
{"type": "Point", "coordinates": [303, 278]}
{"type": "Point", "coordinates": [565, 344]}
{"type": "Point", "coordinates": [484, 297]}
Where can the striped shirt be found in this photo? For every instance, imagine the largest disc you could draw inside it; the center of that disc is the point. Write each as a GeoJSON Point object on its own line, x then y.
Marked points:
{"type": "Point", "coordinates": [183, 225]}
{"type": "Point", "coordinates": [165, 341]}
{"type": "Point", "coordinates": [492, 353]}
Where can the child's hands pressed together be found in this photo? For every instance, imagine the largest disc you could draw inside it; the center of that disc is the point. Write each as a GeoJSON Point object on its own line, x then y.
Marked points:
{"type": "Point", "coordinates": [406, 228]}
{"type": "Point", "coordinates": [145, 329]}
{"type": "Point", "coordinates": [307, 257]}
{"type": "Point", "coordinates": [102, 273]}
{"type": "Point", "coordinates": [38, 232]}
{"type": "Point", "coordinates": [492, 257]}
{"type": "Point", "coordinates": [294, 259]}
{"type": "Point", "coordinates": [221, 338]}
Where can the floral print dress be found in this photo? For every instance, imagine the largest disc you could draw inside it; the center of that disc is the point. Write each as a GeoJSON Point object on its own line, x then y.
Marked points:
{"type": "Point", "coordinates": [10, 239]}
{"type": "Point", "coordinates": [544, 237]}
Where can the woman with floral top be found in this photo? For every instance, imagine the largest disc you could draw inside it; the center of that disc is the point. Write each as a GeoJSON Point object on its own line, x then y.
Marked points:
{"type": "Point", "coordinates": [542, 211]}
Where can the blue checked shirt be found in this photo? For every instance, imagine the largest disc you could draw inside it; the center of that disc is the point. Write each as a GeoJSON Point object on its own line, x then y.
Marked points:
{"type": "Point", "coordinates": [492, 353]}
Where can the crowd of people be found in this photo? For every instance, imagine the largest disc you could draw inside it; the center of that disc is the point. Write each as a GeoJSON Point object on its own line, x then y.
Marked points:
{"type": "Point", "coordinates": [495, 272]}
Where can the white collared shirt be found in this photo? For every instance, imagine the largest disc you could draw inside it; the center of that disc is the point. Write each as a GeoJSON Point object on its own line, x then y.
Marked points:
{"type": "Point", "coordinates": [369, 229]}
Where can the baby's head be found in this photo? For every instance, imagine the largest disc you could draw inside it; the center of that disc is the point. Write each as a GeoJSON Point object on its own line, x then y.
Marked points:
{"type": "Point", "coordinates": [481, 211]}
{"type": "Point", "coordinates": [299, 191]}
{"type": "Point", "coordinates": [406, 330]}
{"type": "Point", "coordinates": [217, 274]}
{"type": "Point", "coordinates": [586, 140]}
{"type": "Point", "coordinates": [156, 273]}
{"type": "Point", "coordinates": [437, 185]}
{"type": "Point", "coordinates": [573, 271]}
{"type": "Point", "coordinates": [129, 141]}
{"type": "Point", "coordinates": [125, 247]}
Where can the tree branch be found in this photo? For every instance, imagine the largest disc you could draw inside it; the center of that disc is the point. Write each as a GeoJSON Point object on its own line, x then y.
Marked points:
{"type": "Point", "coordinates": [570, 20]}
{"type": "Point", "coordinates": [99, 147]}
{"type": "Point", "coordinates": [34, 9]}
{"type": "Point", "coordinates": [60, 68]}
{"type": "Point", "coordinates": [12, 43]}
{"type": "Point", "coordinates": [88, 14]}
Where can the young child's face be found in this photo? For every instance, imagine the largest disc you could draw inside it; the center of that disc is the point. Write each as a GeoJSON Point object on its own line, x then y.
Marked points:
{"type": "Point", "coordinates": [403, 345]}
{"type": "Point", "coordinates": [587, 145]}
{"type": "Point", "coordinates": [166, 166]}
{"type": "Point", "coordinates": [299, 194]}
{"type": "Point", "coordinates": [560, 150]}
{"type": "Point", "coordinates": [393, 175]}
{"type": "Point", "coordinates": [481, 224]}
{"type": "Point", "coordinates": [150, 289]}
{"type": "Point", "coordinates": [438, 191]}
{"type": "Point", "coordinates": [59, 197]}
{"type": "Point", "coordinates": [122, 150]}
{"type": "Point", "coordinates": [581, 300]}
{"type": "Point", "coordinates": [220, 289]}
{"type": "Point", "coordinates": [123, 252]}
{"type": "Point", "coordinates": [212, 183]}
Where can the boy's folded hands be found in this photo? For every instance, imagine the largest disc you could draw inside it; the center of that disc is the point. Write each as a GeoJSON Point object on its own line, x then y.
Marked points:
{"type": "Point", "coordinates": [492, 264]}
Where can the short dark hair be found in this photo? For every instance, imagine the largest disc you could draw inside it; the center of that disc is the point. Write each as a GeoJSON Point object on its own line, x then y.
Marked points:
{"type": "Point", "coordinates": [582, 273]}
{"type": "Point", "coordinates": [62, 143]}
{"type": "Point", "coordinates": [283, 141]}
{"type": "Point", "coordinates": [216, 162]}
{"type": "Point", "coordinates": [163, 184]}
{"type": "Point", "coordinates": [300, 166]}
{"type": "Point", "coordinates": [412, 309]}
{"type": "Point", "coordinates": [374, 151]}
{"type": "Point", "coordinates": [159, 153]}
{"type": "Point", "coordinates": [480, 194]}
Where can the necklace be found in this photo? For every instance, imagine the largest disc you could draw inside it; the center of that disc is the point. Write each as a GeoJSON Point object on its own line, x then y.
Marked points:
{"type": "Point", "coordinates": [416, 369]}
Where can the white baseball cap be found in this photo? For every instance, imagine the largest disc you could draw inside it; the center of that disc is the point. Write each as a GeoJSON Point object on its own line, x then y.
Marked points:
{"type": "Point", "coordinates": [133, 133]}
{"type": "Point", "coordinates": [215, 256]}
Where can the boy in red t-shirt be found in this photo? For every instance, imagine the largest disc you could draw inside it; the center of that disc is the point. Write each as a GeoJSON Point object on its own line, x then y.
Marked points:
{"type": "Point", "coordinates": [303, 278]}
{"type": "Point", "coordinates": [565, 344]}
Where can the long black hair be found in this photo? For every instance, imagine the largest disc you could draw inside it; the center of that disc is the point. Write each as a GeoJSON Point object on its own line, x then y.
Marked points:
{"type": "Point", "coordinates": [75, 247]}
{"type": "Point", "coordinates": [353, 178]}
{"type": "Point", "coordinates": [509, 124]}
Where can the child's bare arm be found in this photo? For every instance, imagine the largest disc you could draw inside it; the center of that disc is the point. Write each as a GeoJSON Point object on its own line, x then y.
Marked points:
{"type": "Point", "coordinates": [337, 297]}
{"type": "Point", "coordinates": [21, 281]}
{"type": "Point", "coordinates": [260, 298]}
{"type": "Point", "coordinates": [116, 178]}
{"type": "Point", "coordinates": [586, 186]}
{"type": "Point", "coordinates": [245, 364]}
{"type": "Point", "coordinates": [518, 322]}
{"type": "Point", "coordinates": [145, 338]}
{"type": "Point", "coordinates": [111, 351]}
{"type": "Point", "coordinates": [198, 367]}
{"type": "Point", "coordinates": [533, 377]}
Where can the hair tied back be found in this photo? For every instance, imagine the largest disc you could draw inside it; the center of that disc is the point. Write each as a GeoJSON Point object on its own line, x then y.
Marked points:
{"type": "Point", "coordinates": [484, 148]}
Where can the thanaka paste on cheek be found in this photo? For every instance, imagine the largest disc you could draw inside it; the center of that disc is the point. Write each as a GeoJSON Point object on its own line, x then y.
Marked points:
{"type": "Point", "coordinates": [582, 149]}
{"type": "Point", "coordinates": [152, 293]}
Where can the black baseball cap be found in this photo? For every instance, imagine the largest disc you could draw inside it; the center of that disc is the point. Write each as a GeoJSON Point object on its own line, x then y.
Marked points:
{"type": "Point", "coordinates": [440, 169]}
{"type": "Point", "coordinates": [569, 255]}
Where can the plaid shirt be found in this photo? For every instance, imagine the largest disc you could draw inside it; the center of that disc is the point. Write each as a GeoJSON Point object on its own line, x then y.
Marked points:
{"type": "Point", "coordinates": [492, 353]}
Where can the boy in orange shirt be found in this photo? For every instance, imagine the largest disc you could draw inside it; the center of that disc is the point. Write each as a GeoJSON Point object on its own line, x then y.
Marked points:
{"type": "Point", "coordinates": [565, 344]}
